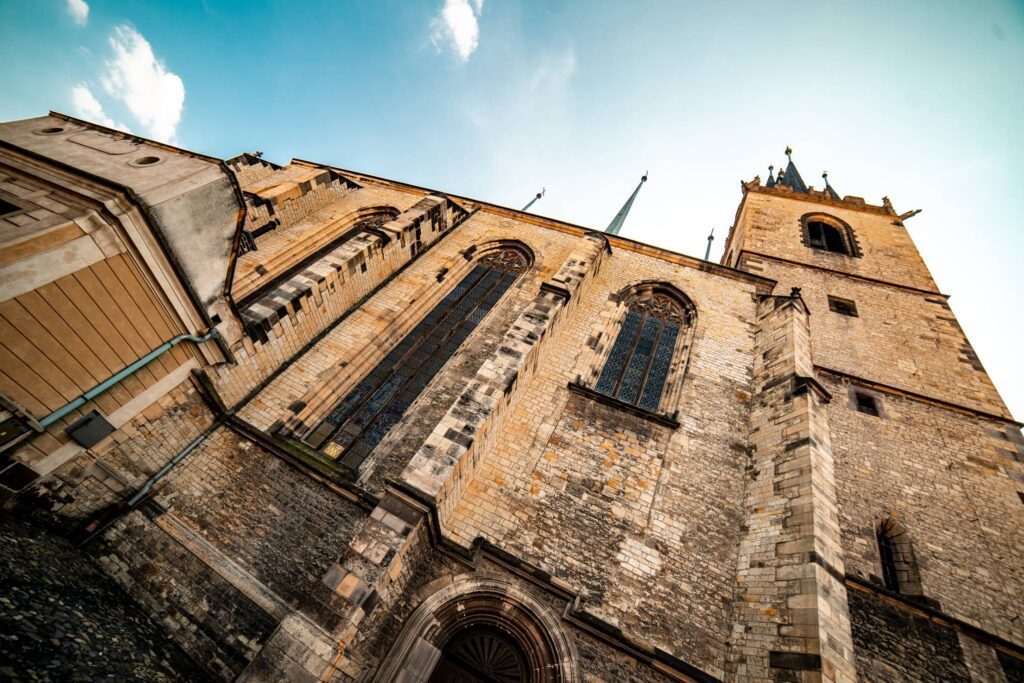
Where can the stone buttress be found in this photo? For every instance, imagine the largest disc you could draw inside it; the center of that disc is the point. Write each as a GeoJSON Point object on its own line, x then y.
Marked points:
{"type": "Point", "coordinates": [377, 563]}
{"type": "Point", "coordinates": [790, 618]}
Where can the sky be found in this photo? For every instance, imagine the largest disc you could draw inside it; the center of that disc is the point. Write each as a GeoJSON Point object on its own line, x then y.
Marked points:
{"type": "Point", "coordinates": [922, 102]}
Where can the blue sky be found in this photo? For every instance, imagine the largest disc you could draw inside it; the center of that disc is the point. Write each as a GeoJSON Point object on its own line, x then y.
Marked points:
{"type": "Point", "coordinates": [494, 99]}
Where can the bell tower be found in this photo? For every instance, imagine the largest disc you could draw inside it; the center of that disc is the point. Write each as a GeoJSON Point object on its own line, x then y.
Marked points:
{"type": "Point", "coordinates": [876, 312]}
{"type": "Point", "coordinates": [898, 487]}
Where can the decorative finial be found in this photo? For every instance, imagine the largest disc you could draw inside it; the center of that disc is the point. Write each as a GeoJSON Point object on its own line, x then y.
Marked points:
{"type": "Point", "coordinates": [789, 150]}
{"type": "Point", "coordinates": [771, 168]}
{"type": "Point", "coordinates": [644, 179]}
{"type": "Point", "coordinates": [540, 194]}
{"type": "Point", "coordinates": [824, 174]}
{"type": "Point", "coordinates": [258, 154]}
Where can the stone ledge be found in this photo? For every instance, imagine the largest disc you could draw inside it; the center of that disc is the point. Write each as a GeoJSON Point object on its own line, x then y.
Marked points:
{"type": "Point", "coordinates": [658, 418]}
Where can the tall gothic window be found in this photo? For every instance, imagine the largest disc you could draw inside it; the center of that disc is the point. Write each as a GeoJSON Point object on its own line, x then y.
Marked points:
{"type": "Point", "coordinates": [364, 417]}
{"type": "Point", "coordinates": [639, 362]}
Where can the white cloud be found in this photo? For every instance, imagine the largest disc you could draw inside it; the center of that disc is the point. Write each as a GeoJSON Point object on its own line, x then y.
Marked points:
{"type": "Point", "coordinates": [79, 11]}
{"type": "Point", "coordinates": [154, 95]}
{"type": "Point", "coordinates": [88, 107]}
{"type": "Point", "coordinates": [457, 25]}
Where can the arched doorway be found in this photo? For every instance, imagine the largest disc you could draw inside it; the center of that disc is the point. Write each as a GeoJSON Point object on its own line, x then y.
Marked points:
{"type": "Point", "coordinates": [480, 628]}
{"type": "Point", "coordinates": [481, 653]}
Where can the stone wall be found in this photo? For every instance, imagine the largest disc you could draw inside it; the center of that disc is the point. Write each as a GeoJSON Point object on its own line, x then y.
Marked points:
{"type": "Point", "coordinates": [893, 644]}
{"type": "Point", "coordinates": [951, 479]}
{"type": "Point", "coordinates": [900, 337]}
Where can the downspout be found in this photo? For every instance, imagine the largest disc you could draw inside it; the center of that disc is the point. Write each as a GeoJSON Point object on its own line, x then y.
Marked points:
{"type": "Point", "coordinates": [145, 360]}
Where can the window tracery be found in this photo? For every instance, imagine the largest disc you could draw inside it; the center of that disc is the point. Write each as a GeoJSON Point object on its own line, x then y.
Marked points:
{"type": "Point", "coordinates": [638, 364]}
{"type": "Point", "coordinates": [364, 417]}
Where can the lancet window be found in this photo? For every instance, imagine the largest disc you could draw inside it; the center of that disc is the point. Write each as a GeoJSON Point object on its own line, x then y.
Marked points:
{"type": "Point", "coordinates": [641, 357]}
{"type": "Point", "coordinates": [377, 403]}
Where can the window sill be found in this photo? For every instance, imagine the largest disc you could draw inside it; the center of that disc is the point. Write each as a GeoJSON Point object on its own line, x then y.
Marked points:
{"type": "Point", "coordinates": [658, 418]}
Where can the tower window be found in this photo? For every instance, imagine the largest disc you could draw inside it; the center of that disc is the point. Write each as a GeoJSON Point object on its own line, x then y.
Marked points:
{"type": "Point", "coordinates": [867, 404]}
{"type": "Point", "coordinates": [640, 358]}
{"type": "Point", "coordinates": [824, 236]}
{"type": "Point", "coordinates": [887, 557]}
{"type": "Point", "coordinates": [842, 306]}
{"type": "Point", "coordinates": [896, 556]}
{"type": "Point", "coordinates": [828, 233]}
{"type": "Point", "coordinates": [357, 424]}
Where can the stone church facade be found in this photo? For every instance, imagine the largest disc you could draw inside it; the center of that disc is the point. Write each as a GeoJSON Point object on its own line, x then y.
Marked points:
{"type": "Point", "coordinates": [324, 426]}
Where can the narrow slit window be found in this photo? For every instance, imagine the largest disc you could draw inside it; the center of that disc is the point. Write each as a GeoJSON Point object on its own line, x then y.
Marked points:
{"type": "Point", "coordinates": [887, 557]}
{"type": "Point", "coordinates": [639, 362]}
{"type": "Point", "coordinates": [362, 419]}
{"type": "Point", "coordinates": [842, 306]}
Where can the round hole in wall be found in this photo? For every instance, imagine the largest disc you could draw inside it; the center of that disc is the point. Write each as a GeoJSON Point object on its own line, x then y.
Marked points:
{"type": "Point", "coordinates": [50, 131]}
{"type": "Point", "coordinates": [145, 161]}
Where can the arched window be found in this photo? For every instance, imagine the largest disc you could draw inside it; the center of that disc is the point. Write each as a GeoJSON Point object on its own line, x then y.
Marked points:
{"type": "Point", "coordinates": [371, 409]}
{"type": "Point", "coordinates": [828, 233]}
{"type": "Point", "coordinates": [824, 236]}
{"type": "Point", "coordinates": [896, 556]}
{"type": "Point", "coordinates": [639, 362]}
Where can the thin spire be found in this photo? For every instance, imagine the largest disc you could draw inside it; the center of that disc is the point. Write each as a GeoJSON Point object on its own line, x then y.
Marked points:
{"type": "Point", "coordinates": [792, 176]}
{"type": "Point", "coordinates": [828, 188]}
{"type": "Point", "coordinates": [540, 194]}
{"type": "Point", "coordinates": [620, 218]}
{"type": "Point", "coordinates": [711, 238]}
{"type": "Point", "coordinates": [771, 176]}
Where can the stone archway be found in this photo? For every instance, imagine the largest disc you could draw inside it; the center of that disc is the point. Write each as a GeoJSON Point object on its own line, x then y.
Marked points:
{"type": "Point", "coordinates": [481, 624]}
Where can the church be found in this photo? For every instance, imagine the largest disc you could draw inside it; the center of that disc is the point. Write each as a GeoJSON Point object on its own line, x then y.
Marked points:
{"type": "Point", "coordinates": [317, 425]}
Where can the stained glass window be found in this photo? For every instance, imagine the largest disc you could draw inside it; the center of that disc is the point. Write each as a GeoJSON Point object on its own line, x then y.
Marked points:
{"type": "Point", "coordinates": [371, 409]}
{"type": "Point", "coordinates": [638, 364]}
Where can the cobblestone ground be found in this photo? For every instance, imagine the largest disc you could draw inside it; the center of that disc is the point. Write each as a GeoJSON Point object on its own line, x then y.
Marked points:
{"type": "Point", "coordinates": [62, 619]}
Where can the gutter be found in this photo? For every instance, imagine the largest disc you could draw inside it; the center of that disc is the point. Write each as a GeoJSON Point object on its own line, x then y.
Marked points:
{"type": "Point", "coordinates": [114, 379]}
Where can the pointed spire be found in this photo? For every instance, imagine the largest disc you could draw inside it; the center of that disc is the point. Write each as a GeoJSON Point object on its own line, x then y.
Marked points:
{"type": "Point", "coordinates": [620, 218]}
{"type": "Point", "coordinates": [828, 188]}
{"type": "Point", "coordinates": [540, 194]}
{"type": "Point", "coordinates": [792, 176]}
{"type": "Point", "coordinates": [771, 176]}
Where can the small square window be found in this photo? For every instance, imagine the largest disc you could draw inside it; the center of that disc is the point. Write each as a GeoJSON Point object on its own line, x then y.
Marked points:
{"type": "Point", "coordinates": [6, 207]}
{"type": "Point", "coordinates": [842, 306]}
{"type": "Point", "coordinates": [867, 404]}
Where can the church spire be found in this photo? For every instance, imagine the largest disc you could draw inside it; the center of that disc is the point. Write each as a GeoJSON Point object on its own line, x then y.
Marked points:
{"type": "Point", "coordinates": [792, 176]}
{"type": "Point", "coordinates": [828, 188]}
{"type": "Point", "coordinates": [620, 218]}
{"type": "Point", "coordinates": [771, 176]}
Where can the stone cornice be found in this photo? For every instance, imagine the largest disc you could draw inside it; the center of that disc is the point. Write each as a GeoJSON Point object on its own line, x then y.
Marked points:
{"type": "Point", "coordinates": [759, 281]}
{"type": "Point", "coordinates": [914, 396]}
{"type": "Point", "coordinates": [841, 273]}
{"type": "Point", "coordinates": [820, 197]}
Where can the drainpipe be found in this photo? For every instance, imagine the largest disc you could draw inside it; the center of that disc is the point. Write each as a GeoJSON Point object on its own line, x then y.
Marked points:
{"type": "Point", "coordinates": [145, 360]}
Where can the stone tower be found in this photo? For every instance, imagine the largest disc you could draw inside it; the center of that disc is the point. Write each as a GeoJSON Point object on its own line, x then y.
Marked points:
{"type": "Point", "coordinates": [915, 446]}
{"type": "Point", "coordinates": [317, 425]}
